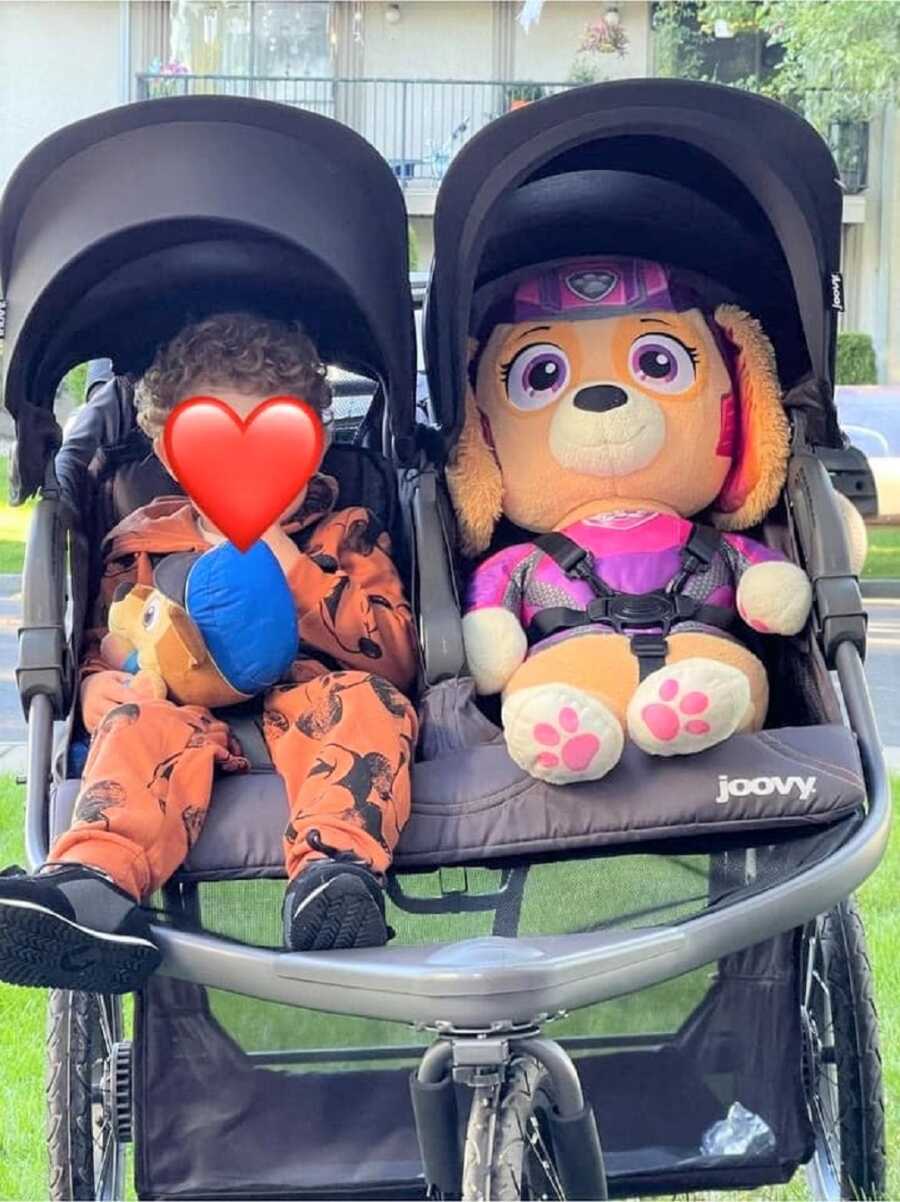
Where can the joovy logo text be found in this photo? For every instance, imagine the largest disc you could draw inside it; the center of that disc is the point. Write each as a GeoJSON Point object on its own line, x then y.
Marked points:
{"type": "Point", "coordinates": [763, 786]}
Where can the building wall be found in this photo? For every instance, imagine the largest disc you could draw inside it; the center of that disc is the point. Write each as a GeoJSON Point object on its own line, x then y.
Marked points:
{"type": "Point", "coordinates": [870, 251]}
{"type": "Point", "coordinates": [456, 39]}
{"type": "Point", "coordinates": [548, 50]}
{"type": "Point", "coordinates": [434, 39]}
{"type": "Point", "coordinates": [59, 61]}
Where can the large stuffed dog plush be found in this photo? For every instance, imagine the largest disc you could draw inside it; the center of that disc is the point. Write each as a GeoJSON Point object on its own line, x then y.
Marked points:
{"type": "Point", "coordinates": [611, 402]}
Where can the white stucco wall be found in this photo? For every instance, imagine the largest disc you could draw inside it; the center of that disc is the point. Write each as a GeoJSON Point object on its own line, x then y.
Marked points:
{"type": "Point", "coordinates": [59, 60]}
{"type": "Point", "coordinates": [548, 50]}
{"type": "Point", "coordinates": [453, 39]}
{"type": "Point", "coordinates": [434, 39]}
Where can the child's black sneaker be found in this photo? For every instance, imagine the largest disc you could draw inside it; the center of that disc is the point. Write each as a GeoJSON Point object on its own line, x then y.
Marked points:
{"type": "Point", "coordinates": [72, 927]}
{"type": "Point", "coordinates": [334, 903]}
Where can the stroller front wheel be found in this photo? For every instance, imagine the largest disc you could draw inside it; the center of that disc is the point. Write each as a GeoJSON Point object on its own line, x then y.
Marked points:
{"type": "Point", "coordinates": [842, 1059]}
{"type": "Point", "coordinates": [88, 1096]}
{"type": "Point", "coordinates": [518, 1147]}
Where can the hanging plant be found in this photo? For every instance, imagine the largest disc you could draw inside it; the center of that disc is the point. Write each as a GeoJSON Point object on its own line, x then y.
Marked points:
{"type": "Point", "coordinates": [605, 36]}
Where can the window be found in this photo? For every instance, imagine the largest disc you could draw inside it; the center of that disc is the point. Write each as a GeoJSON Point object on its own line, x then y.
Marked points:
{"type": "Point", "coordinates": [252, 37]}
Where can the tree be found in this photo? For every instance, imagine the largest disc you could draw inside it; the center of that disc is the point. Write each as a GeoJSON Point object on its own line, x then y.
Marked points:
{"type": "Point", "coordinates": [835, 60]}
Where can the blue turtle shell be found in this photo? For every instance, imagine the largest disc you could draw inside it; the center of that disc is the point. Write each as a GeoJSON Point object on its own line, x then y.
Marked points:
{"type": "Point", "coordinates": [244, 609]}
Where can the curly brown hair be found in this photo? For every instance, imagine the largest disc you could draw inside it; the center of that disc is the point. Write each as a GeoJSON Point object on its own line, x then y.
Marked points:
{"type": "Point", "coordinates": [236, 350]}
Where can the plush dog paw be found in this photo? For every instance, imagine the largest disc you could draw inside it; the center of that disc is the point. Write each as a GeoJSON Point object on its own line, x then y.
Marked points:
{"type": "Point", "coordinates": [495, 646]}
{"type": "Point", "coordinates": [689, 706]}
{"type": "Point", "coordinates": [560, 734]}
{"type": "Point", "coordinates": [775, 598]}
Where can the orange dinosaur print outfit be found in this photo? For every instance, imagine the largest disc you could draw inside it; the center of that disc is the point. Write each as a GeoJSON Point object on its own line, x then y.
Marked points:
{"type": "Point", "coordinates": [340, 732]}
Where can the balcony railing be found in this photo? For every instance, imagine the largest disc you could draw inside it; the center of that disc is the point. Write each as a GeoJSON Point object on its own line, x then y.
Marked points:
{"type": "Point", "coordinates": [417, 124]}
{"type": "Point", "coordinates": [420, 124]}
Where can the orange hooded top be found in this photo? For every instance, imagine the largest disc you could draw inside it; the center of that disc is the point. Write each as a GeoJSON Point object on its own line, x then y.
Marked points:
{"type": "Point", "coordinates": [350, 602]}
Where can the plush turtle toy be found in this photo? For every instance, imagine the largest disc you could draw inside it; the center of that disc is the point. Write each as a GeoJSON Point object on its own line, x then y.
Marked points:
{"type": "Point", "coordinates": [216, 628]}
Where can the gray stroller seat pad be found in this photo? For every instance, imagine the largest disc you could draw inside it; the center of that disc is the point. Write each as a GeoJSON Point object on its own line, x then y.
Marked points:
{"type": "Point", "coordinates": [476, 806]}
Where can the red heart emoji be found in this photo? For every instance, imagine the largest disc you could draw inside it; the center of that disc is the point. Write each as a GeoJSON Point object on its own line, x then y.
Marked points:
{"type": "Point", "coordinates": [243, 472]}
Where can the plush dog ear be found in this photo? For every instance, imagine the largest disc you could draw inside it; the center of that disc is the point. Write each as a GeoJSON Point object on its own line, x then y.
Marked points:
{"type": "Point", "coordinates": [186, 666]}
{"type": "Point", "coordinates": [474, 481]}
{"type": "Point", "coordinates": [762, 443]}
{"type": "Point", "coordinates": [125, 610]}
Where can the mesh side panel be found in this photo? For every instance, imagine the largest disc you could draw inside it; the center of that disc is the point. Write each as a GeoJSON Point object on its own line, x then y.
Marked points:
{"type": "Point", "coordinates": [251, 911]}
{"type": "Point", "coordinates": [558, 898]}
{"type": "Point", "coordinates": [543, 898]}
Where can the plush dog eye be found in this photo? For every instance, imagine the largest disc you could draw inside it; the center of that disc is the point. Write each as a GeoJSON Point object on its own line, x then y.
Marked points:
{"type": "Point", "coordinates": [536, 376]}
{"type": "Point", "coordinates": [664, 363]}
{"type": "Point", "coordinates": [150, 614]}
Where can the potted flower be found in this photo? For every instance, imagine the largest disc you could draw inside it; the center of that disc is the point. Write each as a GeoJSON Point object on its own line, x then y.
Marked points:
{"type": "Point", "coordinates": [520, 94]}
{"type": "Point", "coordinates": [165, 82]}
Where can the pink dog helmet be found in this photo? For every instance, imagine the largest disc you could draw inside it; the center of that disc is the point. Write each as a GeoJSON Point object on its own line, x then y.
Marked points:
{"type": "Point", "coordinates": [587, 288]}
{"type": "Point", "coordinates": [591, 288]}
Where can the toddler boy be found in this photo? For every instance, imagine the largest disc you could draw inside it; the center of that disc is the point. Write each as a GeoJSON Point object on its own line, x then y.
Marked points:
{"type": "Point", "coordinates": [340, 731]}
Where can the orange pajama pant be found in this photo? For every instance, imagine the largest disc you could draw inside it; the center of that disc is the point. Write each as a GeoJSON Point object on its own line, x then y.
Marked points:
{"type": "Point", "coordinates": [342, 742]}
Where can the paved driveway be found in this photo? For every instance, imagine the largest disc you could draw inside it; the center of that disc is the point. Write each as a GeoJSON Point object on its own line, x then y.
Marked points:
{"type": "Point", "coordinates": [12, 722]}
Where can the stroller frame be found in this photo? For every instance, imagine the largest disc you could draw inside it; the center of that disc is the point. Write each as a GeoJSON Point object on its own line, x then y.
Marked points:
{"type": "Point", "coordinates": [485, 1000]}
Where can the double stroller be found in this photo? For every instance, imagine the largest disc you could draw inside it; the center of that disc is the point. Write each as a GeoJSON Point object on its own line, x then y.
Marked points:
{"type": "Point", "coordinates": [617, 988]}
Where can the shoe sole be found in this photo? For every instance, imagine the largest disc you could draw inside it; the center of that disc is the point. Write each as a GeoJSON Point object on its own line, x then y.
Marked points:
{"type": "Point", "coordinates": [39, 947]}
{"type": "Point", "coordinates": [340, 914]}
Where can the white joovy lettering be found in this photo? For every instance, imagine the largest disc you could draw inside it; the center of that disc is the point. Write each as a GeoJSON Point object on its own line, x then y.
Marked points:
{"type": "Point", "coordinates": [764, 786]}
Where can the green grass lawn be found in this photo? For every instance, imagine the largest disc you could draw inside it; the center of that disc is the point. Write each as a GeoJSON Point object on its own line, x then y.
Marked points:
{"type": "Point", "coordinates": [883, 560]}
{"type": "Point", "coordinates": [23, 1167]}
{"type": "Point", "coordinates": [14, 522]}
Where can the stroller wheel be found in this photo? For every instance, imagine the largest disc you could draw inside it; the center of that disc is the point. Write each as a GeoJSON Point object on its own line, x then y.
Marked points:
{"type": "Point", "coordinates": [88, 1096]}
{"type": "Point", "coordinates": [511, 1151]}
{"type": "Point", "coordinates": [842, 1059]}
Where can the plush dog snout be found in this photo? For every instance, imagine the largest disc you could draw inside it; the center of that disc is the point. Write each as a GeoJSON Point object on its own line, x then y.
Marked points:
{"type": "Point", "coordinates": [600, 397]}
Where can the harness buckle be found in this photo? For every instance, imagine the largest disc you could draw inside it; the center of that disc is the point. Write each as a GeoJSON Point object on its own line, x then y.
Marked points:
{"type": "Point", "coordinates": [582, 567]}
{"type": "Point", "coordinates": [628, 611]}
{"type": "Point", "coordinates": [598, 610]}
{"type": "Point", "coordinates": [690, 563]}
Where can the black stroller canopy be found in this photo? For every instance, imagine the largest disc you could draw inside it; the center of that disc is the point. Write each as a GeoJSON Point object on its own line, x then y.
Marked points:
{"type": "Point", "coordinates": [704, 177]}
{"type": "Point", "coordinates": [117, 229]}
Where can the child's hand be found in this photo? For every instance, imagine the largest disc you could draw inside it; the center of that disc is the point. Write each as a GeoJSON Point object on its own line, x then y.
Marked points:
{"type": "Point", "coordinates": [103, 690]}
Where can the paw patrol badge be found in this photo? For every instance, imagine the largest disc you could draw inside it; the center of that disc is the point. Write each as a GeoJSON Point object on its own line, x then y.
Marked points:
{"type": "Point", "coordinates": [592, 286]}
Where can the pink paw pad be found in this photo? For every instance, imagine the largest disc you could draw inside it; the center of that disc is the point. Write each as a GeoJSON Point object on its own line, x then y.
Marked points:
{"type": "Point", "coordinates": [755, 623]}
{"type": "Point", "coordinates": [665, 722]}
{"type": "Point", "coordinates": [576, 752]}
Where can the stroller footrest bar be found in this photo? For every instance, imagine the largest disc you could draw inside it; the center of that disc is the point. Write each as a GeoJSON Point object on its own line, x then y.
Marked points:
{"type": "Point", "coordinates": [461, 984]}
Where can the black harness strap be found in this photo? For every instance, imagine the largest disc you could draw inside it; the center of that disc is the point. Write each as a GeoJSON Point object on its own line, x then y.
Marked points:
{"type": "Point", "coordinates": [698, 553]}
{"type": "Point", "coordinates": [656, 612]}
{"type": "Point", "coordinates": [575, 562]}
